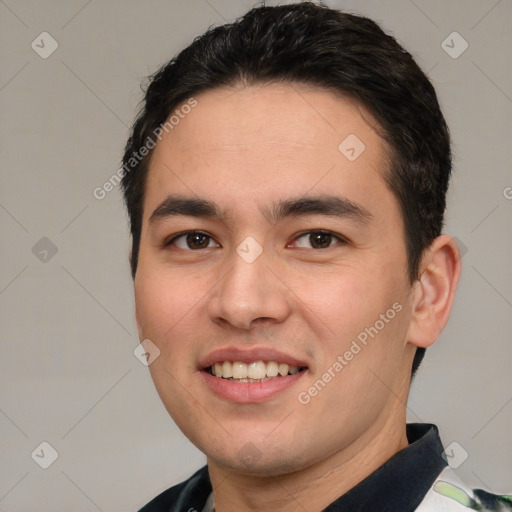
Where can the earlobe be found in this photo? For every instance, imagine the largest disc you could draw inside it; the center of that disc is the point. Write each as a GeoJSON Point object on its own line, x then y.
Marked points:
{"type": "Point", "coordinates": [434, 292]}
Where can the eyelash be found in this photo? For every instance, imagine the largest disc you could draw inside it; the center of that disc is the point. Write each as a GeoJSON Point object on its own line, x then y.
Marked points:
{"type": "Point", "coordinates": [336, 236]}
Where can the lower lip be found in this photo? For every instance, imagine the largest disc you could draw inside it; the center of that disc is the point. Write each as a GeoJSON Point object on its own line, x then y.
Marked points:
{"type": "Point", "coordinates": [250, 392]}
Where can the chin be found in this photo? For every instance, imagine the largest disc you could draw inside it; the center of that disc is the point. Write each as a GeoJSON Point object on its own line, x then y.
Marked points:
{"type": "Point", "coordinates": [249, 460]}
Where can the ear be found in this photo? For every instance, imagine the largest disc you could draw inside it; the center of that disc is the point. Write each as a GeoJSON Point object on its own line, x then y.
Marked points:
{"type": "Point", "coordinates": [434, 292]}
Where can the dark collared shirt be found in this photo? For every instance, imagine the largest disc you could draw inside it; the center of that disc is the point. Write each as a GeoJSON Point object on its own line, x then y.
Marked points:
{"type": "Point", "coordinates": [415, 478]}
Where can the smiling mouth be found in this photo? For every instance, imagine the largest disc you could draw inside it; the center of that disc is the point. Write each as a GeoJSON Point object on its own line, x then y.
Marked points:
{"type": "Point", "coordinates": [257, 371]}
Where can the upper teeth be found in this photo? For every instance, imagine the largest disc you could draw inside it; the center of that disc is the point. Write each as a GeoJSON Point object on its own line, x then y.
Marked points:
{"type": "Point", "coordinates": [255, 370]}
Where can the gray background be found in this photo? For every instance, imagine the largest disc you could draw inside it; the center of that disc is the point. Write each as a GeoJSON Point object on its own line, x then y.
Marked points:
{"type": "Point", "coordinates": [67, 370]}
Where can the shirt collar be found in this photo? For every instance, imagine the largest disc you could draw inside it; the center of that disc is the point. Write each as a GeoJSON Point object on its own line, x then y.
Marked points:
{"type": "Point", "coordinates": [402, 482]}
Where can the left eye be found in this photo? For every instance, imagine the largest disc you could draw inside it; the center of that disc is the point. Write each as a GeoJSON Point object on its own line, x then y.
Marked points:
{"type": "Point", "coordinates": [319, 239]}
{"type": "Point", "coordinates": [192, 240]}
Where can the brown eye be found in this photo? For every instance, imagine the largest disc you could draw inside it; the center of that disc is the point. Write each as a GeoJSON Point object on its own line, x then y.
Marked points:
{"type": "Point", "coordinates": [318, 240]}
{"type": "Point", "coordinates": [197, 240]}
{"type": "Point", "coordinates": [192, 240]}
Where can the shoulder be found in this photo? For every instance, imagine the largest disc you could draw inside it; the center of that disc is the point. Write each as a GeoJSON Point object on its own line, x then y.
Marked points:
{"type": "Point", "coordinates": [192, 493]}
{"type": "Point", "coordinates": [450, 494]}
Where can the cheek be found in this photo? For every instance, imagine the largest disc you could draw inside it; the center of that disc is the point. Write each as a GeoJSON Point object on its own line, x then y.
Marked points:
{"type": "Point", "coordinates": [361, 309]}
{"type": "Point", "coordinates": [166, 292]}
{"type": "Point", "coordinates": [150, 297]}
{"type": "Point", "coordinates": [164, 312]}
{"type": "Point", "coordinates": [169, 311]}
{"type": "Point", "coordinates": [347, 300]}
{"type": "Point", "coordinates": [160, 303]}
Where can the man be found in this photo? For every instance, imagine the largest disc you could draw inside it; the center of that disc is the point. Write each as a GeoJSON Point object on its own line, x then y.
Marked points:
{"type": "Point", "coordinates": [286, 184]}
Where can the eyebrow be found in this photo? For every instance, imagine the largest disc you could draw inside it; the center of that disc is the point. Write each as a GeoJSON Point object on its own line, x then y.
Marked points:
{"type": "Point", "coordinates": [329, 205]}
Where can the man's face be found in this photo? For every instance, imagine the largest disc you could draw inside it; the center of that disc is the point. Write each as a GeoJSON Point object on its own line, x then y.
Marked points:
{"type": "Point", "coordinates": [257, 287]}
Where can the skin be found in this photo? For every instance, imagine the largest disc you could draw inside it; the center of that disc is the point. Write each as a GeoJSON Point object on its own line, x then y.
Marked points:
{"type": "Point", "coordinates": [245, 148]}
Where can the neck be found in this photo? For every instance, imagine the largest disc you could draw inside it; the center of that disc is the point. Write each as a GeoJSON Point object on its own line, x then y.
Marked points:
{"type": "Point", "coordinates": [312, 488]}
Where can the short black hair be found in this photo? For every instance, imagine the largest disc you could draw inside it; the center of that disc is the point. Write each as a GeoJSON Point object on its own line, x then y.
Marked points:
{"type": "Point", "coordinates": [334, 50]}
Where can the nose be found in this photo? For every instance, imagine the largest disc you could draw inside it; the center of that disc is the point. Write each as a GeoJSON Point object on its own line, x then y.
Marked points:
{"type": "Point", "coordinates": [250, 293]}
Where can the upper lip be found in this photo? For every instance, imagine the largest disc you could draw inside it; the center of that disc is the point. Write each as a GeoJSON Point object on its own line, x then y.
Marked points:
{"type": "Point", "coordinates": [248, 355]}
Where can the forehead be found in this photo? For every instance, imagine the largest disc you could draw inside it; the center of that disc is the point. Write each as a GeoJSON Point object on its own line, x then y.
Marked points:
{"type": "Point", "coordinates": [269, 140]}
{"type": "Point", "coordinates": [282, 113]}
